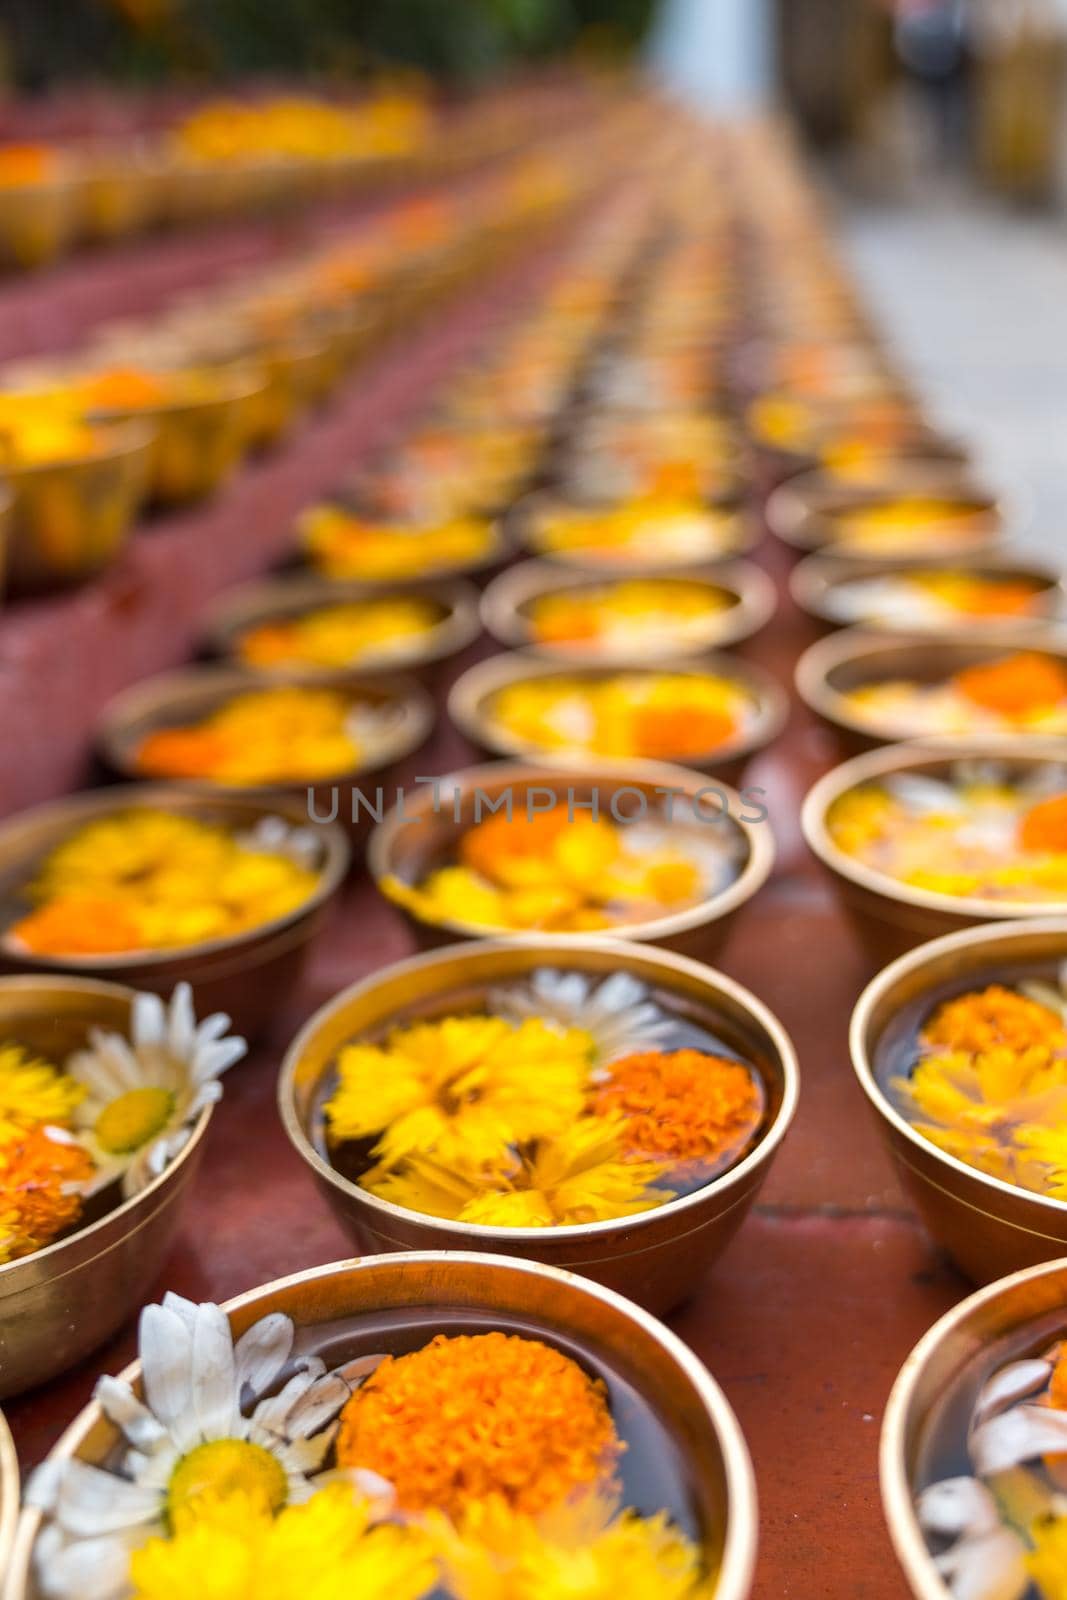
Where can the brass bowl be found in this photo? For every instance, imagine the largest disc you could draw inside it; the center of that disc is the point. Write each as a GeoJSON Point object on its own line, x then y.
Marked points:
{"type": "Point", "coordinates": [62, 1302]}
{"type": "Point", "coordinates": [424, 832]}
{"type": "Point", "coordinates": [656, 1257]}
{"type": "Point", "coordinates": [803, 512]}
{"type": "Point", "coordinates": [9, 1494]}
{"type": "Point", "coordinates": [283, 599]}
{"type": "Point", "coordinates": [830, 670]}
{"type": "Point", "coordinates": [38, 221]}
{"type": "Point", "coordinates": [470, 697]}
{"type": "Point", "coordinates": [947, 1359]}
{"type": "Point", "coordinates": [198, 443]}
{"type": "Point", "coordinates": [70, 519]}
{"type": "Point", "coordinates": [892, 917]}
{"type": "Point", "coordinates": [749, 592]}
{"type": "Point", "coordinates": [490, 1292]}
{"type": "Point", "coordinates": [818, 582]}
{"type": "Point", "coordinates": [173, 699]}
{"type": "Point", "coordinates": [988, 1227]}
{"type": "Point", "coordinates": [242, 976]}
{"type": "Point", "coordinates": [736, 534]}
{"type": "Point", "coordinates": [120, 193]}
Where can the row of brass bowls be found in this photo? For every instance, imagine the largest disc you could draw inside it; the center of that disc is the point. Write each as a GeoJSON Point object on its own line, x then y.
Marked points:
{"type": "Point", "coordinates": [489, 1292]}
{"type": "Point", "coordinates": [506, 604]}
{"type": "Point", "coordinates": [656, 1257]}
{"type": "Point", "coordinates": [59, 1304]}
{"type": "Point", "coordinates": [242, 976]}
{"type": "Point", "coordinates": [470, 701]}
{"type": "Point", "coordinates": [859, 658]}
{"type": "Point", "coordinates": [424, 832]}
{"type": "Point", "coordinates": [816, 581]}
{"type": "Point", "coordinates": [892, 917]}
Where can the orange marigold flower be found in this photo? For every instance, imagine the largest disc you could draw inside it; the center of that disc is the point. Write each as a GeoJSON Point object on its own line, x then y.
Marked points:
{"type": "Point", "coordinates": [683, 1104]}
{"type": "Point", "coordinates": [1044, 826]}
{"type": "Point", "coordinates": [1015, 684]}
{"type": "Point", "coordinates": [992, 1018]}
{"type": "Point", "coordinates": [184, 752]}
{"type": "Point", "coordinates": [35, 1202]}
{"type": "Point", "coordinates": [500, 838]}
{"type": "Point", "coordinates": [659, 734]}
{"type": "Point", "coordinates": [78, 925]}
{"type": "Point", "coordinates": [480, 1414]}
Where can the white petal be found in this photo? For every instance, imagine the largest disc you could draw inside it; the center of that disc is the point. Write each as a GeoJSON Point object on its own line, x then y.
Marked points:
{"type": "Point", "coordinates": [214, 1373]}
{"type": "Point", "coordinates": [317, 1406]}
{"type": "Point", "coordinates": [213, 1059]}
{"type": "Point", "coordinates": [357, 1371]}
{"type": "Point", "coordinates": [307, 1455]}
{"type": "Point", "coordinates": [926, 795]}
{"type": "Point", "coordinates": [267, 1422]}
{"type": "Point", "coordinates": [92, 1501]}
{"type": "Point", "coordinates": [262, 1351]}
{"type": "Point", "coordinates": [990, 1567]}
{"type": "Point", "coordinates": [1013, 1382]}
{"type": "Point", "coordinates": [148, 1024]}
{"type": "Point", "coordinates": [41, 1488]}
{"type": "Point", "coordinates": [166, 1345]}
{"type": "Point", "coordinates": [126, 1412]}
{"type": "Point", "coordinates": [956, 1506]}
{"type": "Point", "coordinates": [1016, 1436]}
{"type": "Point", "coordinates": [90, 1569]}
{"type": "Point", "coordinates": [181, 1029]}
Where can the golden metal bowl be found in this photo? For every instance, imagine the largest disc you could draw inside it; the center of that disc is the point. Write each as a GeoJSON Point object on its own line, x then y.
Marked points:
{"type": "Point", "coordinates": [242, 976]}
{"type": "Point", "coordinates": [891, 917]}
{"type": "Point", "coordinates": [38, 221]}
{"type": "Point", "coordinates": [198, 443]}
{"type": "Point", "coordinates": [857, 658]}
{"type": "Point", "coordinates": [805, 513]}
{"type": "Point", "coordinates": [70, 519]}
{"type": "Point", "coordinates": [173, 699]}
{"type": "Point", "coordinates": [62, 1302]}
{"type": "Point", "coordinates": [945, 1359]}
{"type": "Point", "coordinates": [470, 697]}
{"type": "Point", "coordinates": [121, 192]}
{"type": "Point", "coordinates": [988, 1227]}
{"type": "Point", "coordinates": [9, 1494]}
{"type": "Point", "coordinates": [819, 582]}
{"type": "Point", "coordinates": [747, 590]}
{"type": "Point", "coordinates": [735, 533]}
{"type": "Point", "coordinates": [656, 1257]}
{"type": "Point", "coordinates": [489, 1292]}
{"type": "Point", "coordinates": [424, 832]}
{"type": "Point", "coordinates": [284, 599]}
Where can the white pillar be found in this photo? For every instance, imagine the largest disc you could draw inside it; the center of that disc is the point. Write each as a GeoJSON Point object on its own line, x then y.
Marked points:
{"type": "Point", "coordinates": [717, 54]}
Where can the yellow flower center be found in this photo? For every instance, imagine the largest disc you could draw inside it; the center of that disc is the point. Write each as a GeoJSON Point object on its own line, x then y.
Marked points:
{"type": "Point", "coordinates": [131, 1120]}
{"type": "Point", "coordinates": [221, 1468]}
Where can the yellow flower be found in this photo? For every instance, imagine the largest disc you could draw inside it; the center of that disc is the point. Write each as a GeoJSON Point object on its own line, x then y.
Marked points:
{"type": "Point", "coordinates": [660, 716]}
{"type": "Point", "coordinates": [33, 1092]}
{"type": "Point", "coordinates": [581, 1175]}
{"type": "Point", "coordinates": [580, 1551]}
{"type": "Point", "coordinates": [326, 1549]}
{"type": "Point", "coordinates": [340, 635]}
{"type": "Point", "coordinates": [462, 1089]}
{"type": "Point", "coordinates": [1047, 1562]}
{"type": "Point", "coordinates": [285, 735]}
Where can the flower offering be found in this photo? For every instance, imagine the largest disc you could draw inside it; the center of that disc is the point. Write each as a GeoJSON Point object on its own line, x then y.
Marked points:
{"type": "Point", "coordinates": [356, 633]}
{"type": "Point", "coordinates": [1021, 693]}
{"type": "Point", "coordinates": [635, 614]}
{"type": "Point", "coordinates": [644, 532]}
{"type": "Point", "coordinates": [343, 544]}
{"type": "Point", "coordinates": [938, 597]}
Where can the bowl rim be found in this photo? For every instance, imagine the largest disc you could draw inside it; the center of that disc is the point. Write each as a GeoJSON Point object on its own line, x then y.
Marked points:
{"type": "Point", "coordinates": [762, 850]}
{"type": "Point", "coordinates": [897, 1494]}
{"type": "Point", "coordinates": [740, 1534]}
{"type": "Point", "coordinates": [473, 687]}
{"type": "Point", "coordinates": [89, 803]}
{"type": "Point", "coordinates": [241, 382]}
{"type": "Point", "coordinates": [499, 547]}
{"type": "Point", "coordinates": [51, 1253]}
{"type": "Point", "coordinates": [9, 1493]}
{"type": "Point", "coordinates": [820, 572]}
{"type": "Point", "coordinates": [620, 951]}
{"type": "Point", "coordinates": [209, 683]}
{"type": "Point", "coordinates": [250, 605]}
{"type": "Point", "coordinates": [863, 643]}
{"type": "Point", "coordinates": [904, 756]}
{"type": "Point", "coordinates": [753, 593]}
{"type": "Point", "coordinates": [127, 437]}
{"type": "Point", "coordinates": [731, 509]}
{"type": "Point", "coordinates": [863, 1064]}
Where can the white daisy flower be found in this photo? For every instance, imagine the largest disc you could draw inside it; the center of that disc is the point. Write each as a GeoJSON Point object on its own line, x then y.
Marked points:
{"type": "Point", "coordinates": [277, 837]}
{"type": "Point", "coordinates": [986, 1561]}
{"type": "Point", "coordinates": [146, 1091]}
{"type": "Point", "coordinates": [203, 1429]}
{"type": "Point", "coordinates": [617, 1012]}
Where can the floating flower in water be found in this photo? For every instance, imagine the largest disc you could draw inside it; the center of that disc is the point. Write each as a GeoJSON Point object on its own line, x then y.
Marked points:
{"type": "Point", "coordinates": [33, 1092]}
{"type": "Point", "coordinates": [659, 716]}
{"type": "Point", "coordinates": [203, 1432]}
{"type": "Point", "coordinates": [980, 833]}
{"type": "Point", "coordinates": [142, 1095]}
{"type": "Point", "coordinates": [153, 879]}
{"type": "Point", "coordinates": [1022, 693]}
{"type": "Point", "coordinates": [1001, 1534]}
{"type": "Point", "coordinates": [341, 544]}
{"type": "Point", "coordinates": [638, 613]}
{"type": "Point", "coordinates": [582, 1550]}
{"type": "Point", "coordinates": [989, 1084]}
{"type": "Point", "coordinates": [618, 1013]}
{"type": "Point", "coordinates": [640, 532]}
{"type": "Point", "coordinates": [478, 1415]}
{"type": "Point", "coordinates": [932, 598]}
{"type": "Point", "coordinates": [329, 1545]}
{"type": "Point", "coordinates": [284, 735]}
{"type": "Point", "coordinates": [353, 634]}
{"type": "Point", "coordinates": [566, 872]}
{"type": "Point", "coordinates": [908, 524]}
{"type": "Point", "coordinates": [683, 1105]}
{"type": "Point", "coordinates": [43, 1174]}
